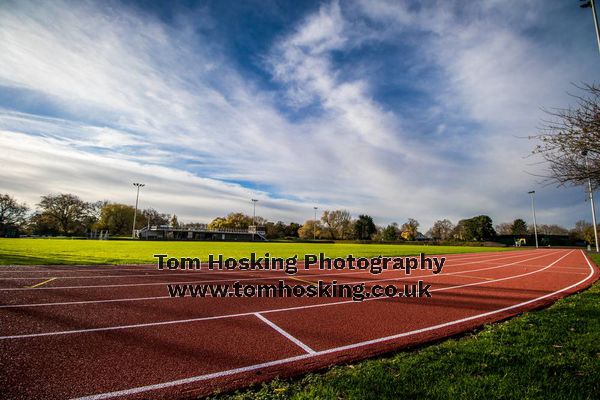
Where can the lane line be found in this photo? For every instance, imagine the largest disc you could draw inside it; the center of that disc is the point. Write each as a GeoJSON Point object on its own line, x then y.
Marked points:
{"type": "Point", "coordinates": [249, 368]}
{"type": "Point", "coordinates": [473, 277]}
{"type": "Point", "coordinates": [403, 277]}
{"type": "Point", "coordinates": [291, 338]}
{"type": "Point", "coordinates": [246, 279]}
{"type": "Point", "coordinates": [119, 327]}
{"type": "Point", "coordinates": [303, 280]}
{"type": "Point", "coordinates": [40, 284]}
{"type": "Point", "coordinates": [501, 279]}
{"type": "Point", "coordinates": [152, 267]}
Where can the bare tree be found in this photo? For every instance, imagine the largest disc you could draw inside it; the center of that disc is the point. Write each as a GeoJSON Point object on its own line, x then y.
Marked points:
{"type": "Point", "coordinates": [69, 212]}
{"type": "Point", "coordinates": [504, 228]}
{"type": "Point", "coordinates": [11, 212]}
{"type": "Point", "coordinates": [441, 229]}
{"type": "Point", "coordinates": [568, 133]}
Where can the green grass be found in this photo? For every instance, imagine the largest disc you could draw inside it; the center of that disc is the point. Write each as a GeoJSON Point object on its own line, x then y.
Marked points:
{"type": "Point", "coordinates": [548, 354]}
{"type": "Point", "coordinates": [75, 251]}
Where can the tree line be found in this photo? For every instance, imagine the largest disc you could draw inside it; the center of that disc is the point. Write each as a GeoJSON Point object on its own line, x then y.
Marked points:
{"type": "Point", "coordinates": [67, 214]}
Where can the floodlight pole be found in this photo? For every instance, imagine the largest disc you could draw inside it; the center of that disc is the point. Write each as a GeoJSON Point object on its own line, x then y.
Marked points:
{"type": "Point", "coordinates": [137, 197]}
{"type": "Point", "coordinates": [585, 153]}
{"type": "Point", "coordinates": [592, 4]}
{"type": "Point", "coordinates": [534, 221]}
{"type": "Point", "coordinates": [254, 216]}
{"type": "Point", "coordinates": [595, 15]}
{"type": "Point", "coordinates": [315, 225]}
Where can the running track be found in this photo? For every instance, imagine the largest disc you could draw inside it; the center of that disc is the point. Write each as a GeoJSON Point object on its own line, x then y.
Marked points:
{"type": "Point", "coordinates": [112, 332]}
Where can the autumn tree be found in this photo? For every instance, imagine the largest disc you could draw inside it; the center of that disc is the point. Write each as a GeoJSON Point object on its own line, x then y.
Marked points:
{"type": "Point", "coordinates": [337, 224]}
{"type": "Point", "coordinates": [410, 229]}
{"type": "Point", "coordinates": [118, 218]}
{"type": "Point", "coordinates": [235, 221]}
{"type": "Point", "coordinates": [311, 229]}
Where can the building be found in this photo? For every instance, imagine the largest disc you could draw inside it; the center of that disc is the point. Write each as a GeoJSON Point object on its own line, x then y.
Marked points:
{"type": "Point", "coordinates": [202, 232]}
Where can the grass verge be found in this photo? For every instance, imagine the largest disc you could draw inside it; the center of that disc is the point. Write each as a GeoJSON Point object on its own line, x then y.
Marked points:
{"type": "Point", "coordinates": [548, 354]}
{"type": "Point", "coordinates": [78, 251]}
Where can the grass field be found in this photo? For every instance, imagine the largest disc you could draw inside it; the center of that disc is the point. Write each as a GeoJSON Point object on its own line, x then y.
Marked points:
{"type": "Point", "coordinates": [548, 354]}
{"type": "Point", "coordinates": [78, 251]}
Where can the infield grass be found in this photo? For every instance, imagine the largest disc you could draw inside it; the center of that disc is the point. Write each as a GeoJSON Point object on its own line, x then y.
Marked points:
{"type": "Point", "coordinates": [81, 251]}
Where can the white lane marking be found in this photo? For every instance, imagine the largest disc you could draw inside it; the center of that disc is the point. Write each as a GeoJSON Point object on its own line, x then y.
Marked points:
{"type": "Point", "coordinates": [287, 277]}
{"type": "Point", "coordinates": [286, 334]}
{"type": "Point", "coordinates": [118, 327]}
{"type": "Point", "coordinates": [481, 278]}
{"type": "Point", "coordinates": [152, 267]}
{"type": "Point", "coordinates": [502, 279]}
{"type": "Point", "coordinates": [245, 279]}
{"type": "Point", "coordinates": [220, 374]}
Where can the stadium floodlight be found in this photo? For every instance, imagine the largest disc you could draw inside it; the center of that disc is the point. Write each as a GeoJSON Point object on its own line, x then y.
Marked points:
{"type": "Point", "coordinates": [254, 201]}
{"type": "Point", "coordinates": [584, 153]}
{"type": "Point", "coordinates": [531, 193]}
{"type": "Point", "coordinates": [137, 197]}
{"type": "Point", "coordinates": [592, 4]}
{"type": "Point", "coordinates": [315, 224]}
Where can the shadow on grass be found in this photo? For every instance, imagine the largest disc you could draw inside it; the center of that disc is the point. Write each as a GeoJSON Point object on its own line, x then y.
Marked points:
{"type": "Point", "coordinates": [18, 259]}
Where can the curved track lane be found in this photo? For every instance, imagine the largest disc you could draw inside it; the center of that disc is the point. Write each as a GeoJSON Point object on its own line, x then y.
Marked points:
{"type": "Point", "coordinates": [112, 332]}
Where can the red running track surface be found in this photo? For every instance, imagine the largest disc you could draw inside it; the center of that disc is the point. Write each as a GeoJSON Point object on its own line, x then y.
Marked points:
{"type": "Point", "coordinates": [112, 331]}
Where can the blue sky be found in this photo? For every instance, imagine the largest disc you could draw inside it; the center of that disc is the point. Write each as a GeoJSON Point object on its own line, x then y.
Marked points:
{"type": "Point", "coordinates": [397, 109]}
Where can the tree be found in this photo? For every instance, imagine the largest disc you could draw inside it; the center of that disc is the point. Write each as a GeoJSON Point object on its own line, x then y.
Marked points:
{"type": "Point", "coordinates": [69, 212]}
{"type": "Point", "coordinates": [174, 221]}
{"type": "Point", "coordinates": [552, 229]}
{"type": "Point", "coordinates": [118, 218]}
{"type": "Point", "coordinates": [390, 233]}
{"type": "Point", "coordinates": [410, 229]}
{"type": "Point", "coordinates": [476, 228]}
{"type": "Point", "coordinates": [580, 230]}
{"type": "Point", "coordinates": [480, 228]}
{"type": "Point", "coordinates": [588, 235]}
{"type": "Point", "coordinates": [504, 228]}
{"type": "Point", "coordinates": [218, 223]}
{"type": "Point", "coordinates": [441, 229]}
{"type": "Point", "coordinates": [337, 224]}
{"type": "Point", "coordinates": [42, 224]}
{"type": "Point", "coordinates": [308, 230]}
{"type": "Point", "coordinates": [364, 227]}
{"type": "Point", "coordinates": [233, 221]}
{"type": "Point", "coordinates": [291, 230]}
{"type": "Point", "coordinates": [519, 227]}
{"type": "Point", "coordinates": [155, 218]}
{"type": "Point", "coordinates": [570, 132]}
{"type": "Point", "coordinates": [11, 212]}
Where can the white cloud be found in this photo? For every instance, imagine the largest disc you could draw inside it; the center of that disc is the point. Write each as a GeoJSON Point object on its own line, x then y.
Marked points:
{"type": "Point", "coordinates": [142, 100]}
